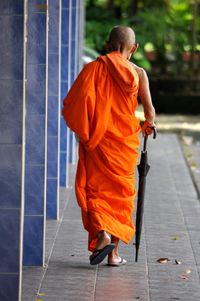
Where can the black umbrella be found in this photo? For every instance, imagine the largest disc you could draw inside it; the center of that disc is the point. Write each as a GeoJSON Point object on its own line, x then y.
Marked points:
{"type": "Point", "coordinates": [143, 169]}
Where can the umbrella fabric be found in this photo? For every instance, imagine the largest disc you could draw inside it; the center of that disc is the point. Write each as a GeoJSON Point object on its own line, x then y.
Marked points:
{"type": "Point", "coordinates": [143, 169]}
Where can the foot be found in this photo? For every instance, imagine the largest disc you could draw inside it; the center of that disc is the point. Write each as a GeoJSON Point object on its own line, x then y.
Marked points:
{"type": "Point", "coordinates": [103, 248]}
{"type": "Point", "coordinates": [118, 261]}
{"type": "Point", "coordinates": [99, 255]}
{"type": "Point", "coordinates": [103, 240]}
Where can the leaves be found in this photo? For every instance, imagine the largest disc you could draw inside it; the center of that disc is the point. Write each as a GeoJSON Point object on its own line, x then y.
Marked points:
{"type": "Point", "coordinates": [41, 294]}
{"type": "Point", "coordinates": [163, 260]}
{"type": "Point", "coordinates": [193, 165]}
{"type": "Point", "coordinates": [188, 140]}
{"type": "Point", "coordinates": [184, 275]}
{"type": "Point", "coordinates": [176, 237]}
{"type": "Point", "coordinates": [178, 262]}
{"type": "Point", "coordinates": [188, 271]}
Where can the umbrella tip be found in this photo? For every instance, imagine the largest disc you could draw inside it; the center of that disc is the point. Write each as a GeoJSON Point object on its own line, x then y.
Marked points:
{"type": "Point", "coordinates": [136, 257]}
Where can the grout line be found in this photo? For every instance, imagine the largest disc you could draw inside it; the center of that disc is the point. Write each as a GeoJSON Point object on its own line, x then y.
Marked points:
{"type": "Point", "coordinates": [21, 244]}
{"type": "Point", "coordinates": [12, 15]}
{"type": "Point", "coordinates": [12, 80]}
{"type": "Point", "coordinates": [182, 213]}
{"type": "Point", "coordinates": [5, 208]}
{"type": "Point", "coordinates": [33, 215]}
{"type": "Point", "coordinates": [46, 133]}
{"type": "Point", "coordinates": [53, 244]}
{"type": "Point", "coordinates": [147, 262]}
{"type": "Point", "coordinates": [189, 169]}
{"type": "Point", "coordinates": [95, 282]}
{"type": "Point", "coordinates": [5, 273]}
{"type": "Point", "coordinates": [35, 64]}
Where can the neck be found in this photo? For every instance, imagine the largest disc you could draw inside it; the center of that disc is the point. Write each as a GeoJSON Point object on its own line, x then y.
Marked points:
{"type": "Point", "coordinates": [125, 54]}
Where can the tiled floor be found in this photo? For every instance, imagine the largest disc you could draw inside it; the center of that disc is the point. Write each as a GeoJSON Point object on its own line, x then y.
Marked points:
{"type": "Point", "coordinates": [171, 229]}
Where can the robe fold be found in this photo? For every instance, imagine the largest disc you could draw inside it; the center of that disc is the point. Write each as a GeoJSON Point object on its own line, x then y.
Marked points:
{"type": "Point", "coordinates": [100, 108]}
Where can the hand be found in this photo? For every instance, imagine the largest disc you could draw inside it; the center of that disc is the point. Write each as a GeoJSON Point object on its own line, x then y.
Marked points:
{"type": "Point", "coordinates": [147, 128]}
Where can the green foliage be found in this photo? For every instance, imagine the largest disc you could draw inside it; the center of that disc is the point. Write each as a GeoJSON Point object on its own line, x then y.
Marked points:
{"type": "Point", "coordinates": [168, 27]}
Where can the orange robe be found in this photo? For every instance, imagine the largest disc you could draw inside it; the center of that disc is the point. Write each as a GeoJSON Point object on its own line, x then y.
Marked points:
{"type": "Point", "coordinates": [100, 108]}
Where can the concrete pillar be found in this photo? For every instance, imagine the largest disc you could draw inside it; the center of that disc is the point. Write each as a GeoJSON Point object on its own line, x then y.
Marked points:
{"type": "Point", "coordinates": [12, 141]}
{"type": "Point", "coordinates": [36, 134]}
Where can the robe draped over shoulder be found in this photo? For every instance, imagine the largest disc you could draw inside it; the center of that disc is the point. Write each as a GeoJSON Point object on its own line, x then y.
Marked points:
{"type": "Point", "coordinates": [100, 108]}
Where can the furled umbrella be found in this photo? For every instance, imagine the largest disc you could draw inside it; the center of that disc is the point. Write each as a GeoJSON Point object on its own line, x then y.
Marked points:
{"type": "Point", "coordinates": [143, 169]}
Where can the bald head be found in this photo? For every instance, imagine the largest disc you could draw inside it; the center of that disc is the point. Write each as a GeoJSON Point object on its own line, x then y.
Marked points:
{"type": "Point", "coordinates": [121, 38]}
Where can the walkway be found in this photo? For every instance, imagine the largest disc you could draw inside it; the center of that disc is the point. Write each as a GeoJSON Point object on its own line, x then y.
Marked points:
{"type": "Point", "coordinates": [171, 230]}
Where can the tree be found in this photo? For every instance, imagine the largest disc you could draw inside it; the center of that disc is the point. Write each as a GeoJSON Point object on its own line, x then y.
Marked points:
{"type": "Point", "coordinates": [170, 27]}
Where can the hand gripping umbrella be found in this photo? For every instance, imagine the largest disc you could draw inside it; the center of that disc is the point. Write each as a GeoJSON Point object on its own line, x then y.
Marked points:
{"type": "Point", "coordinates": [143, 169]}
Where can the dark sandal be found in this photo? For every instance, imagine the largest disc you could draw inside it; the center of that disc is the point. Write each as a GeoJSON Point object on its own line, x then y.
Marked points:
{"type": "Point", "coordinates": [99, 255]}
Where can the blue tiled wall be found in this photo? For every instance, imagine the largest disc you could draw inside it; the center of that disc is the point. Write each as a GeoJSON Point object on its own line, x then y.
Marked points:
{"type": "Point", "coordinates": [53, 146]}
{"type": "Point", "coordinates": [12, 110]}
{"type": "Point", "coordinates": [35, 207]}
{"type": "Point", "coordinates": [11, 116]}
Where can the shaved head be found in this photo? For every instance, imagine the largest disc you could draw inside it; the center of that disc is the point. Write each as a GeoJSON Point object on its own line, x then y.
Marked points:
{"type": "Point", "coordinates": [120, 38]}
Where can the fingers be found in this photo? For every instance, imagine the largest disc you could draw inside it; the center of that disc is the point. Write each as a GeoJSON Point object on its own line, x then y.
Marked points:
{"type": "Point", "coordinates": [147, 128]}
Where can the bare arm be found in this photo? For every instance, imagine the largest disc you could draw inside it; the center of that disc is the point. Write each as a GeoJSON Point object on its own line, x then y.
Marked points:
{"type": "Point", "coordinates": [145, 95]}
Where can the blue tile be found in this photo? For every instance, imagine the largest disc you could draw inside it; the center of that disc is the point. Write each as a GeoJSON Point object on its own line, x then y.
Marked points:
{"type": "Point", "coordinates": [52, 157]}
{"type": "Point", "coordinates": [73, 22]}
{"type": "Point", "coordinates": [34, 190]}
{"type": "Point", "coordinates": [10, 176]}
{"type": "Point", "coordinates": [37, 6]}
{"type": "Point", "coordinates": [9, 287]}
{"type": "Point", "coordinates": [53, 26]}
{"type": "Point", "coordinates": [10, 235]}
{"type": "Point", "coordinates": [53, 74]}
{"type": "Point", "coordinates": [35, 139]}
{"type": "Point", "coordinates": [70, 146]}
{"type": "Point", "coordinates": [65, 3]}
{"type": "Point", "coordinates": [11, 50]}
{"type": "Point", "coordinates": [36, 89]}
{"type": "Point", "coordinates": [73, 57]}
{"type": "Point", "coordinates": [33, 240]}
{"type": "Point", "coordinates": [11, 128]}
{"type": "Point", "coordinates": [73, 77]}
{"type": "Point", "coordinates": [11, 7]}
{"type": "Point", "coordinates": [64, 66]}
{"type": "Point", "coordinates": [77, 57]}
{"type": "Point", "coordinates": [53, 116]}
{"type": "Point", "coordinates": [52, 198]}
{"type": "Point", "coordinates": [65, 27]}
{"type": "Point", "coordinates": [64, 90]}
{"type": "Point", "coordinates": [63, 159]}
{"type": "Point", "coordinates": [11, 97]}
{"type": "Point", "coordinates": [74, 3]}
{"type": "Point", "coordinates": [36, 43]}
{"type": "Point", "coordinates": [63, 135]}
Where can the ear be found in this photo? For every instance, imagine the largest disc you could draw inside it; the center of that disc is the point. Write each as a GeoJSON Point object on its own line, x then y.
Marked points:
{"type": "Point", "coordinates": [135, 47]}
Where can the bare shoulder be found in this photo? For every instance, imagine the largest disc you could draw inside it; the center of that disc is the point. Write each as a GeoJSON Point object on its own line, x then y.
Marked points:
{"type": "Point", "coordinates": [140, 71]}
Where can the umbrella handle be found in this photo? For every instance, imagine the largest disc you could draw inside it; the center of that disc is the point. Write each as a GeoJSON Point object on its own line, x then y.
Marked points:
{"type": "Point", "coordinates": [146, 137]}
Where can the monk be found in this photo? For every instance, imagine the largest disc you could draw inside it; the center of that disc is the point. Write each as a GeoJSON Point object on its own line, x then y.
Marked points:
{"type": "Point", "coordinates": [100, 109]}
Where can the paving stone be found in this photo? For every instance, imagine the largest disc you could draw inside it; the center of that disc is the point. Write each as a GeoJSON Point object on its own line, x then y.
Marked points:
{"type": "Point", "coordinates": [171, 229]}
